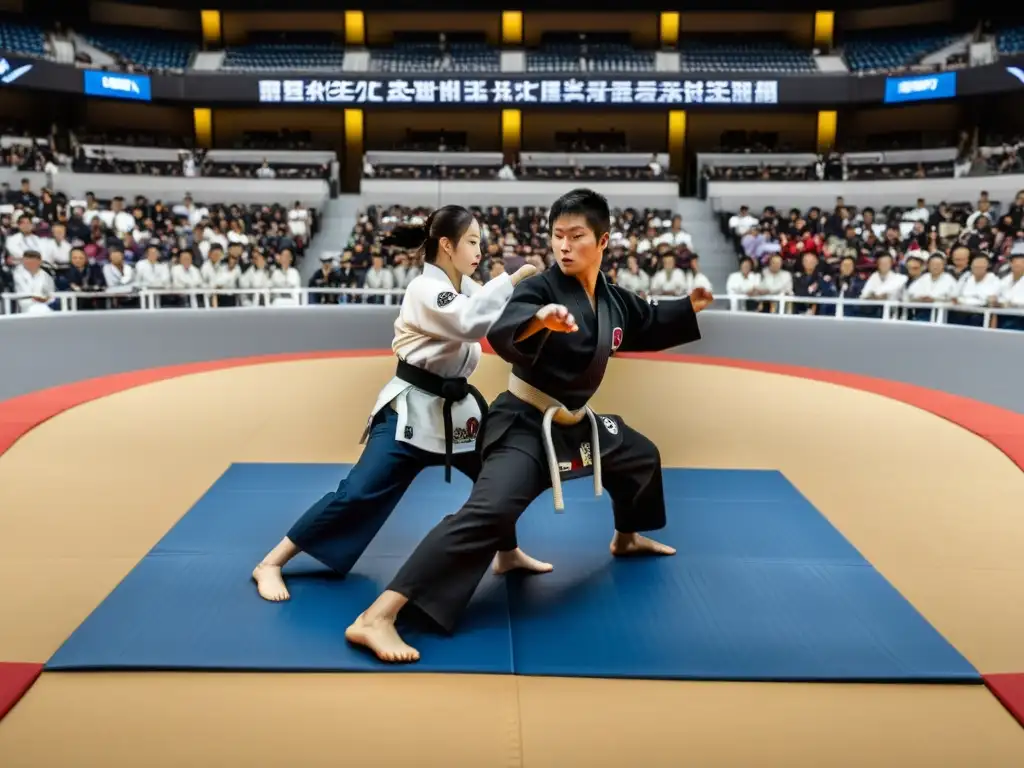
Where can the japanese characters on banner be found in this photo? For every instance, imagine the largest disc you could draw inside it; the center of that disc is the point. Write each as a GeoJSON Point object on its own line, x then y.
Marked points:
{"type": "Point", "coordinates": [519, 92]}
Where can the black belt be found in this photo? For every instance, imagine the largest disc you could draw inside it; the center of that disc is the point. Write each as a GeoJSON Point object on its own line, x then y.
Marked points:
{"type": "Point", "coordinates": [451, 391]}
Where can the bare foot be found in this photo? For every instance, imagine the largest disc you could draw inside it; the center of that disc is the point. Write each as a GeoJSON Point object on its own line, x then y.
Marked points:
{"type": "Point", "coordinates": [381, 637]}
{"type": "Point", "coordinates": [270, 583]}
{"type": "Point", "coordinates": [517, 560]}
{"type": "Point", "coordinates": [633, 544]}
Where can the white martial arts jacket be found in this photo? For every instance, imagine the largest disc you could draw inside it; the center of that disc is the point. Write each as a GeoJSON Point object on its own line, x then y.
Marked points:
{"type": "Point", "coordinates": [1011, 292]}
{"type": "Point", "coordinates": [439, 331]}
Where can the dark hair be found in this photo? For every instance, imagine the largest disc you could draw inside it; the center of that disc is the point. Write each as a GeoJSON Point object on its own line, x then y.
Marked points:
{"type": "Point", "coordinates": [451, 221]}
{"type": "Point", "coordinates": [586, 203]}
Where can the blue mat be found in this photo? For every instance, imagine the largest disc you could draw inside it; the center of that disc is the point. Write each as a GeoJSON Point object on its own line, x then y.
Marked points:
{"type": "Point", "coordinates": [763, 588]}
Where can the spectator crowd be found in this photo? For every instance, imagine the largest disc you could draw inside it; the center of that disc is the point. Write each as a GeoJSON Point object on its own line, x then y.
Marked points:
{"type": "Point", "coordinates": [956, 257]}
{"type": "Point", "coordinates": [119, 249]}
{"type": "Point", "coordinates": [649, 251]}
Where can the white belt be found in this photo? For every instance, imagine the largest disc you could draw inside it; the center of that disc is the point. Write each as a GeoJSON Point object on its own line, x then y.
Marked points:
{"type": "Point", "coordinates": [557, 413]}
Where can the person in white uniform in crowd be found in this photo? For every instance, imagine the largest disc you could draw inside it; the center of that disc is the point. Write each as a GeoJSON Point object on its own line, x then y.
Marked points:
{"type": "Point", "coordinates": [775, 281]}
{"type": "Point", "coordinates": [151, 273]}
{"type": "Point", "coordinates": [185, 276]}
{"type": "Point", "coordinates": [1011, 292]}
{"type": "Point", "coordinates": [884, 284]}
{"type": "Point", "coordinates": [35, 283]}
{"type": "Point", "coordinates": [286, 276]}
{"type": "Point", "coordinates": [379, 277]}
{"type": "Point", "coordinates": [743, 282]}
{"type": "Point", "coordinates": [978, 288]}
{"type": "Point", "coordinates": [934, 286]}
{"type": "Point", "coordinates": [256, 278]}
{"type": "Point", "coordinates": [695, 278]}
{"type": "Point", "coordinates": [632, 278]}
{"type": "Point", "coordinates": [670, 280]}
{"type": "Point", "coordinates": [427, 415]}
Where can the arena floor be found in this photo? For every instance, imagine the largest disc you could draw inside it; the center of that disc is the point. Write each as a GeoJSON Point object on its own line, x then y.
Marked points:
{"type": "Point", "coordinates": [87, 493]}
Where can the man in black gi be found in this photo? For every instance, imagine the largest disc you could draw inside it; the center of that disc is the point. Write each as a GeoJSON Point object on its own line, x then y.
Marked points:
{"type": "Point", "coordinates": [558, 331]}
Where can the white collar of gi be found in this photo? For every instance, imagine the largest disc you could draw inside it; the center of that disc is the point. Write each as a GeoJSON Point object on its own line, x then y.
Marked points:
{"type": "Point", "coordinates": [434, 272]}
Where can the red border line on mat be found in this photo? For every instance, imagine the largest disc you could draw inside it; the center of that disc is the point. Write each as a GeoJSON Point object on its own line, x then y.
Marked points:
{"type": "Point", "coordinates": [15, 680]}
{"type": "Point", "coordinates": [20, 415]}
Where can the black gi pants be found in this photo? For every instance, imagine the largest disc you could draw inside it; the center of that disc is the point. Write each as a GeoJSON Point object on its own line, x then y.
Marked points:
{"type": "Point", "coordinates": [441, 575]}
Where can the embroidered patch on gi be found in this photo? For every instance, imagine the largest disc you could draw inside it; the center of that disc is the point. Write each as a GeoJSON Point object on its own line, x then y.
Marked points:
{"type": "Point", "coordinates": [616, 339]}
{"type": "Point", "coordinates": [585, 454]}
{"type": "Point", "coordinates": [408, 432]}
{"type": "Point", "coordinates": [565, 466]}
{"type": "Point", "coordinates": [472, 427]}
{"type": "Point", "coordinates": [445, 298]}
{"type": "Point", "coordinates": [610, 425]}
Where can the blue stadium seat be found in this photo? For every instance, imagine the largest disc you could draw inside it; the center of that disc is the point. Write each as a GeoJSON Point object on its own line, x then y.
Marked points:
{"type": "Point", "coordinates": [143, 49]}
{"type": "Point", "coordinates": [285, 56]}
{"type": "Point", "coordinates": [767, 56]}
{"type": "Point", "coordinates": [869, 53]}
{"type": "Point", "coordinates": [1010, 40]}
{"type": "Point", "coordinates": [594, 57]}
{"type": "Point", "coordinates": [22, 38]}
{"type": "Point", "coordinates": [409, 58]}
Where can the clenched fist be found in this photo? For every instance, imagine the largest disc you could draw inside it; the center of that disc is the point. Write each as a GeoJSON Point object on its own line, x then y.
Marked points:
{"type": "Point", "coordinates": [525, 271]}
{"type": "Point", "coordinates": [556, 318]}
{"type": "Point", "coordinates": [700, 298]}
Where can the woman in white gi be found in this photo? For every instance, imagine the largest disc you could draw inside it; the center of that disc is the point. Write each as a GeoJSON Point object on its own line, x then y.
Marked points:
{"type": "Point", "coordinates": [427, 415]}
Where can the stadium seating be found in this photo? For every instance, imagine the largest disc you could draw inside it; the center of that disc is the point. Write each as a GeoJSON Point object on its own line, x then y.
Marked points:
{"type": "Point", "coordinates": [602, 57]}
{"type": "Point", "coordinates": [872, 52]}
{"type": "Point", "coordinates": [26, 39]}
{"type": "Point", "coordinates": [411, 58]}
{"type": "Point", "coordinates": [1010, 40]}
{"type": "Point", "coordinates": [146, 50]}
{"type": "Point", "coordinates": [283, 56]}
{"type": "Point", "coordinates": [754, 56]}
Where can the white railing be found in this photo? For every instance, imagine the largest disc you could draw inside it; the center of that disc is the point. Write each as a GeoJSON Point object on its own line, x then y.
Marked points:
{"type": "Point", "coordinates": [207, 298]}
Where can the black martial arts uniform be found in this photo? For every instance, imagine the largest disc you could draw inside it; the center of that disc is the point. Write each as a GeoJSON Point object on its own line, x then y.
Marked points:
{"type": "Point", "coordinates": [443, 572]}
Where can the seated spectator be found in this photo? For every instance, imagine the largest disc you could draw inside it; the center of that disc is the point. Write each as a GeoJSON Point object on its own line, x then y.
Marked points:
{"type": "Point", "coordinates": [379, 277]}
{"type": "Point", "coordinates": [325, 277]}
{"type": "Point", "coordinates": [670, 280]}
{"type": "Point", "coordinates": [885, 284]}
{"type": "Point", "coordinates": [695, 278]}
{"type": "Point", "coordinates": [285, 276]}
{"type": "Point", "coordinates": [775, 281]}
{"type": "Point", "coordinates": [980, 288]}
{"type": "Point", "coordinates": [256, 278]}
{"type": "Point", "coordinates": [186, 277]}
{"type": "Point", "coordinates": [1011, 293]}
{"type": "Point", "coordinates": [632, 278]}
{"type": "Point", "coordinates": [35, 284]}
{"type": "Point", "coordinates": [812, 281]}
{"type": "Point", "coordinates": [743, 282]}
{"type": "Point", "coordinates": [934, 286]}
